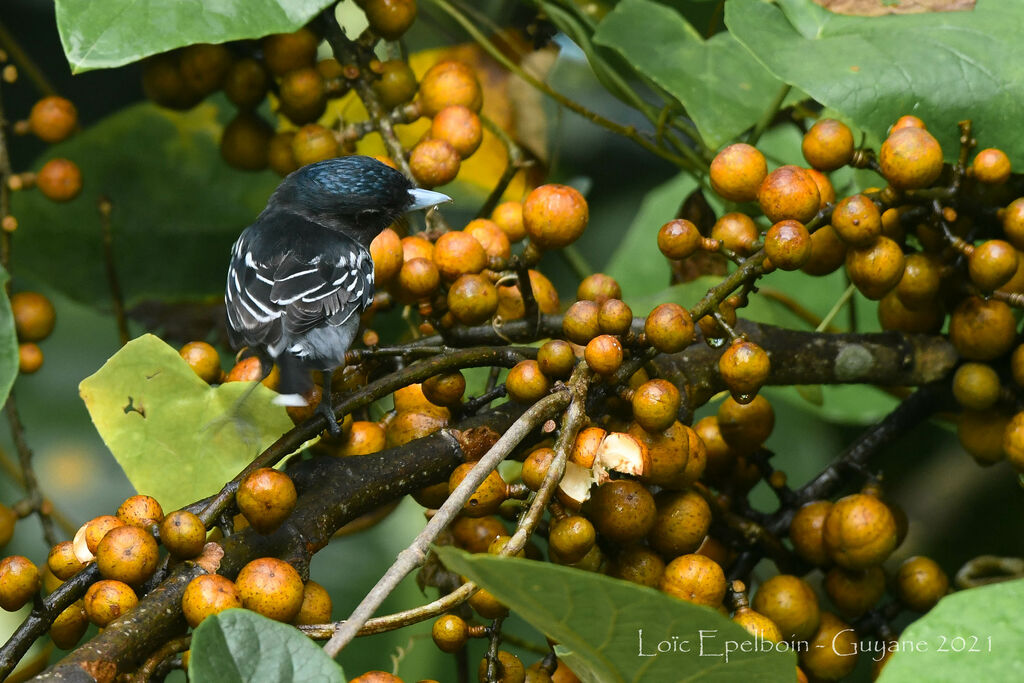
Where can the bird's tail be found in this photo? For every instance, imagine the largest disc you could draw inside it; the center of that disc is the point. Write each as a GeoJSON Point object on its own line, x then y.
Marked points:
{"type": "Point", "coordinates": [295, 382]}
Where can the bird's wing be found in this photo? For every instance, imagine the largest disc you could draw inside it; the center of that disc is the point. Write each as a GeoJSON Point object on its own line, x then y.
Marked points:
{"type": "Point", "coordinates": [289, 275]}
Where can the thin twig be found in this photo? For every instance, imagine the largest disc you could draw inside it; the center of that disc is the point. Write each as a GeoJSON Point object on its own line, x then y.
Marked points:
{"type": "Point", "coordinates": [105, 208]}
{"type": "Point", "coordinates": [413, 556]}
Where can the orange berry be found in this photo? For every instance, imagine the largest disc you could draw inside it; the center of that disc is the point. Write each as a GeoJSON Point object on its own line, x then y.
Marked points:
{"type": "Point", "coordinates": [1013, 222]}
{"type": "Point", "coordinates": [992, 264]}
{"type": "Point", "coordinates": [826, 191]}
{"type": "Point", "coordinates": [203, 359]}
{"type": "Point", "coordinates": [53, 119]}
{"type": "Point", "coordinates": [492, 238]}
{"type": "Point", "coordinates": [460, 127]}
{"type": "Point", "coordinates": [669, 328]}
{"type": "Point", "coordinates": [389, 19]}
{"type": "Point", "coordinates": [434, 163]}
{"type": "Point", "coordinates": [266, 497]}
{"type": "Point", "coordinates": [363, 438]}
{"type": "Point", "coordinates": [107, 600]}
{"type": "Point", "coordinates": [449, 83]}
{"type": "Point", "coordinates": [736, 231]}
{"type": "Point", "coordinates": [30, 358]}
{"type": "Point", "coordinates": [828, 252]}
{"type": "Point", "coordinates": [472, 299]}
{"type": "Point", "coordinates": [828, 145]}
{"type": "Point", "coordinates": [510, 299]}
{"type": "Point", "coordinates": [303, 95]}
{"type": "Point", "coordinates": [284, 52]}
{"type": "Point", "coordinates": [270, 587]}
{"type": "Point", "coordinates": [737, 172]}
{"type": "Point", "coordinates": [509, 217]}
{"type": "Point", "coordinates": [603, 354]}
{"type": "Point", "coordinates": [206, 595]}
{"type": "Point", "coordinates": [60, 180]}
{"type": "Point", "coordinates": [555, 216]}
{"type": "Point", "coordinates": [458, 253]}
{"type": "Point", "coordinates": [678, 239]}
{"type": "Point", "coordinates": [744, 368]}
{"type": "Point", "coordinates": [991, 166]}
{"type": "Point", "coordinates": [789, 192]}
{"type": "Point", "coordinates": [314, 143]}
{"type": "Point", "coordinates": [910, 158]}
{"type": "Point", "coordinates": [245, 143]}
{"type": "Point", "coordinates": [656, 405]}
{"type": "Point", "coordinates": [418, 279]}
{"type": "Point", "coordinates": [415, 246]}
{"type": "Point", "coordinates": [183, 534]}
{"type": "Point", "coordinates": [526, 383]}
{"type": "Point", "coordinates": [246, 83]}
{"type": "Point", "coordinates": [875, 269]}
{"type": "Point", "coordinates": [857, 220]}
{"type": "Point", "coordinates": [140, 511]}
{"type": "Point", "coordinates": [386, 250]}
{"type": "Point", "coordinates": [907, 121]}
{"type": "Point", "coordinates": [788, 245]}
{"type": "Point", "coordinates": [34, 316]}
{"type": "Point", "coordinates": [694, 578]}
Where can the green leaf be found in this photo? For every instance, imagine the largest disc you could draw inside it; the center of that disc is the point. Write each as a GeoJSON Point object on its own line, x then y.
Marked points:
{"type": "Point", "coordinates": [637, 264]}
{"type": "Point", "coordinates": [177, 208]}
{"type": "Point", "coordinates": [177, 438]}
{"type": "Point", "coordinates": [723, 89]}
{"type": "Point", "coordinates": [100, 35]}
{"type": "Point", "coordinates": [941, 66]}
{"type": "Point", "coordinates": [8, 342]}
{"type": "Point", "coordinates": [236, 646]}
{"type": "Point", "coordinates": [971, 635]}
{"type": "Point", "coordinates": [612, 629]}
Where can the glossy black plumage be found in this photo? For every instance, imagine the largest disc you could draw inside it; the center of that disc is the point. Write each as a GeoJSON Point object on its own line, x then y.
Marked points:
{"type": "Point", "coordinates": [301, 274]}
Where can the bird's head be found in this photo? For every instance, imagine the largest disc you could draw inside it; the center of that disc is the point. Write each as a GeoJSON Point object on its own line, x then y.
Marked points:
{"type": "Point", "coordinates": [358, 194]}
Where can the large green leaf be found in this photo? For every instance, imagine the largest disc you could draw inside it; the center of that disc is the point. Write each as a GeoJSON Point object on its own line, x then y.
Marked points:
{"type": "Point", "coordinates": [611, 630]}
{"type": "Point", "coordinates": [177, 438]}
{"type": "Point", "coordinates": [724, 90]}
{"type": "Point", "coordinates": [972, 635]}
{"type": "Point", "coordinates": [99, 35]}
{"type": "Point", "coordinates": [637, 264]}
{"type": "Point", "coordinates": [8, 342]}
{"type": "Point", "coordinates": [943, 67]}
{"type": "Point", "coordinates": [239, 646]}
{"type": "Point", "coordinates": [177, 208]}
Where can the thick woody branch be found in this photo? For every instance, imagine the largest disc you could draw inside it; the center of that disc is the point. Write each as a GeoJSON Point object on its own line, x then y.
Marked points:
{"type": "Point", "coordinates": [334, 491]}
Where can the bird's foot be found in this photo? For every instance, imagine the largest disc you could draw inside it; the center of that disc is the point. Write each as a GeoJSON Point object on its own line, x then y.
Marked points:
{"type": "Point", "coordinates": [327, 410]}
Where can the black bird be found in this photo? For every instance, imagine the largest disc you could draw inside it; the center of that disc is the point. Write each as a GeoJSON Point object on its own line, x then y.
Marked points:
{"type": "Point", "coordinates": [302, 273]}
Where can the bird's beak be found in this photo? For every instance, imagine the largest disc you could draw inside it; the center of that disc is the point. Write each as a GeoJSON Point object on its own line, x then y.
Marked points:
{"type": "Point", "coordinates": [424, 199]}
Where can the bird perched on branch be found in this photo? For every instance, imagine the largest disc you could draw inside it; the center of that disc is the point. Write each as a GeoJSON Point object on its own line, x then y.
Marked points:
{"type": "Point", "coordinates": [302, 273]}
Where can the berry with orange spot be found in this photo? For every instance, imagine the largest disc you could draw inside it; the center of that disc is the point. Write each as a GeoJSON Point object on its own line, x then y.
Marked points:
{"type": "Point", "coordinates": [736, 231]}
{"type": "Point", "coordinates": [266, 497]}
{"type": "Point", "coordinates": [526, 383]}
{"type": "Point", "coordinates": [857, 220]}
{"type": "Point", "coordinates": [603, 354]}
{"type": "Point", "coordinates": [788, 245]}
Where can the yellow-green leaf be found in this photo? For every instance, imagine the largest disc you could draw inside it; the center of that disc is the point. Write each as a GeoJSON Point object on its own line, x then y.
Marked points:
{"type": "Point", "coordinates": [177, 438]}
